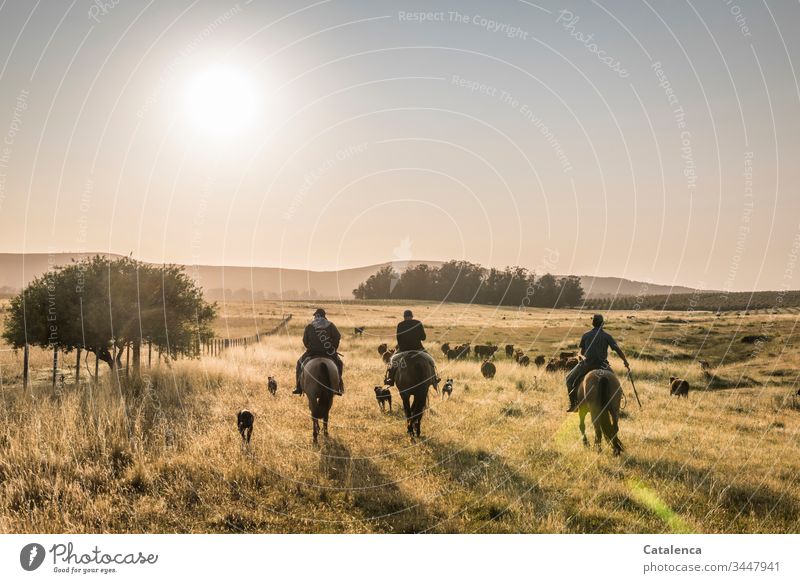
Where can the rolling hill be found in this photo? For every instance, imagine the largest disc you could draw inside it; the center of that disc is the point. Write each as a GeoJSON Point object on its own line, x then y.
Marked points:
{"type": "Point", "coordinates": [244, 283]}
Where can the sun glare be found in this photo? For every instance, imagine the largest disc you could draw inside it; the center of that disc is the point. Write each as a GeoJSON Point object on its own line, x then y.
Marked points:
{"type": "Point", "coordinates": [221, 102]}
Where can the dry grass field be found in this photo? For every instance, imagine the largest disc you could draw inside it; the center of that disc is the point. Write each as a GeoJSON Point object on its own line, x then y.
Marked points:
{"type": "Point", "coordinates": [162, 454]}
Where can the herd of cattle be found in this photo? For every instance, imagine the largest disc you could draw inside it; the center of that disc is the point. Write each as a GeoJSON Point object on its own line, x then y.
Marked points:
{"type": "Point", "coordinates": [485, 353]}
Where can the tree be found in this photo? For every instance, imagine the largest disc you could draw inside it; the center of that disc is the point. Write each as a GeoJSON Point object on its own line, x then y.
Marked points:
{"type": "Point", "coordinates": [105, 305]}
{"type": "Point", "coordinates": [570, 292]}
{"type": "Point", "coordinates": [378, 286]}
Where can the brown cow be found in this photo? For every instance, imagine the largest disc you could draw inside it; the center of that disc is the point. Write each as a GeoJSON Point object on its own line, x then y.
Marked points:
{"type": "Point", "coordinates": [678, 387]}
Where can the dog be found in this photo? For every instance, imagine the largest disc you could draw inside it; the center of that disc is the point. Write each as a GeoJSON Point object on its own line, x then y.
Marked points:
{"type": "Point", "coordinates": [447, 389]}
{"type": "Point", "coordinates": [678, 387]}
{"type": "Point", "coordinates": [272, 385]}
{"type": "Point", "coordinates": [244, 421]}
{"type": "Point", "coordinates": [383, 395]}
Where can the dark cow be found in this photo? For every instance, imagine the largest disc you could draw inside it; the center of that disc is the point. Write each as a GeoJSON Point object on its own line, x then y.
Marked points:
{"type": "Point", "coordinates": [539, 360]}
{"type": "Point", "coordinates": [509, 350]}
{"type": "Point", "coordinates": [678, 387]}
{"type": "Point", "coordinates": [382, 348]}
{"type": "Point", "coordinates": [488, 369]}
{"type": "Point", "coordinates": [445, 348]}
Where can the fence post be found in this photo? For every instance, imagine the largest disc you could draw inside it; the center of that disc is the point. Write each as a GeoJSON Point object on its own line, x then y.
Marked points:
{"type": "Point", "coordinates": [55, 364]}
{"type": "Point", "coordinates": [127, 359]}
{"type": "Point", "coordinates": [25, 366]}
{"type": "Point", "coordinates": [78, 367]}
{"type": "Point", "coordinates": [149, 352]}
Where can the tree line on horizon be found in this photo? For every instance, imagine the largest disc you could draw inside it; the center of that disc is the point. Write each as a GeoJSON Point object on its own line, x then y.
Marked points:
{"type": "Point", "coordinates": [466, 282]}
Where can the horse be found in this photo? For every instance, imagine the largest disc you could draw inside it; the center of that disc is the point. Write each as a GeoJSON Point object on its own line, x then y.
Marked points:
{"type": "Point", "coordinates": [320, 382]}
{"type": "Point", "coordinates": [415, 374]}
{"type": "Point", "coordinates": [600, 394]}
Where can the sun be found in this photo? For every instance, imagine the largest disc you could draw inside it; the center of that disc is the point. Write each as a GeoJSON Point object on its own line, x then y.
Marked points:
{"type": "Point", "coordinates": [222, 101]}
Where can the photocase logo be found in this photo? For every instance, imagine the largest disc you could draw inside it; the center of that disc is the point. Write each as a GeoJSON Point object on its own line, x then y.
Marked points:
{"type": "Point", "coordinates": [31, 556]}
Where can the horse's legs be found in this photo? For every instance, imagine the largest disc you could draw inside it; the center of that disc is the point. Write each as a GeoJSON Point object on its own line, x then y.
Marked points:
{"type": "Point", "coordinates": [582, 425]}
{"type": "Point", "coordinates": [325, 424]}
{"type": "Point", "coordinates": [407, 411]}
{"type": "Point", "coordinates": [598, 432]}
{"type": "Point", "coordinates": [315, 429]}
{"type": "Point", "coordinates": [420, 402]}
{"type": "Point", "coordinates": [615, 442]}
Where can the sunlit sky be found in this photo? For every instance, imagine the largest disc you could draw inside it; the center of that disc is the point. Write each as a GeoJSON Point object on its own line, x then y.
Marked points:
{"type": "Point", "coordinates": [654, 141]}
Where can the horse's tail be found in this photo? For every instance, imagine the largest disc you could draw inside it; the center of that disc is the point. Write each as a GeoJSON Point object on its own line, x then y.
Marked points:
{"type": "Point", "coordinates": [608, 414]}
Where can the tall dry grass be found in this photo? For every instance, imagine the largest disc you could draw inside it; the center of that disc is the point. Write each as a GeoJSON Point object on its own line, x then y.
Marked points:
{"type": "Point", "coordinates": [161, 453]}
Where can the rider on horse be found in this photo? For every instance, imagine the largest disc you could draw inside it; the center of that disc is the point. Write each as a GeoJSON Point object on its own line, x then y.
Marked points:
{"type": "Point", "coordinates": [321, 338]}
{"type": "Point", "coordinates": [410, 334]}
{"type": "Point", "coordinates": [594, 349]}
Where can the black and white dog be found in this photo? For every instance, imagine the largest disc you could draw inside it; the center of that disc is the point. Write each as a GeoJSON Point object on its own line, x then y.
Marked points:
{"type": "Point", "coordinates": [447, 389]}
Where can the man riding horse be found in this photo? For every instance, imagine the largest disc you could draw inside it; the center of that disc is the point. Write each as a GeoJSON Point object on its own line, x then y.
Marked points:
{"type": "Point", "coordinates": [594, 350]}
{"type": "Point", "coordinates": [410, 334]}
{"type": "Point", "coordinates": [321, 338]}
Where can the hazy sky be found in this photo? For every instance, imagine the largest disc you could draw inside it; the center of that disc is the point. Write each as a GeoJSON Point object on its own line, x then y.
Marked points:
{"type": "Point", "coordinates": [654, 140]}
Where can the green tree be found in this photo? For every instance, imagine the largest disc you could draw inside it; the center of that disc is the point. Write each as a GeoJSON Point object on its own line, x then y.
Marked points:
{"type": "Point", "coordinates": [105, 305]}
{"type": "Point", "coordinates": [378, 286]}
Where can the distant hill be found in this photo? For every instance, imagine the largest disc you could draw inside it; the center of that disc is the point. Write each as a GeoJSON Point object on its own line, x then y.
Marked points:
{"type": "Point", "coordinates": [607, 287]}
{"type": "Point", "coordinates": [237, 283]}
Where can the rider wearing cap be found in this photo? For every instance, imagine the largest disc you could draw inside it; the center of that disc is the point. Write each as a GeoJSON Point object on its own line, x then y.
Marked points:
{"type": "Point", "coordinates": [321, 339]}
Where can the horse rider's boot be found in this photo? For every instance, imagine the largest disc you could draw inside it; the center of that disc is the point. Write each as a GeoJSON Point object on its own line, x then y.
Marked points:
{"type": "Point", "coordinates": [389, 380]}
{"type": "Point", "coordinates": [297, 390]}
{"type": "Point", "coordinates": [573, 406]}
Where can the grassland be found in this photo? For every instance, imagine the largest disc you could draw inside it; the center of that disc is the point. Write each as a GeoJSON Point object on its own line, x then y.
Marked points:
{"type": "Point", "coordinates": [161, 453]}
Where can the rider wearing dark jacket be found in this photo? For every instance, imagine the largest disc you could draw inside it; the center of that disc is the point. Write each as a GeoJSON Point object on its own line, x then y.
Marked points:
{"type": "Point", "coordinates": [594, 349]}
{"type": "Point", "coordinates": [410, 334]}
{"type": "Point", "coordinates": [320, 338]}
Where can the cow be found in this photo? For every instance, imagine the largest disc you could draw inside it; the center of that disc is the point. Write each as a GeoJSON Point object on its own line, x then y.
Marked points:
{"type": "Point", "coordinates": [488, 369]}
{"type": "Point", "coordinates": [678, 387]}
{"type": "Point", "coordinates": [382, 348]}
{"type": "Point", "coordinates": [539, 360]}
{"type": "Point", "coordinates": [509, 350]}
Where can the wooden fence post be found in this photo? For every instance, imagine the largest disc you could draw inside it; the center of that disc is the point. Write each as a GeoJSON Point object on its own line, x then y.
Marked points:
{"type": "Point", "coordinates": [127, 359]}
{"type": "Point", "coordinates": [25, 360]}
{"type": "Point", "coordinates": [78, 367]}
{"type": "Point", "coordinates": [55, 364]}
{"type": "Point", "coordinates": [149, 352]}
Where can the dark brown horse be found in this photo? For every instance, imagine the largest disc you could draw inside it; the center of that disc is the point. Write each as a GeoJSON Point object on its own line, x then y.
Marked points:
{"type": "Point", "coordinates": [415, 374]}
{"type": "Point", "coordinates": [601, 395]}
{"type": "Point", "coordinates": [320, 382]}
